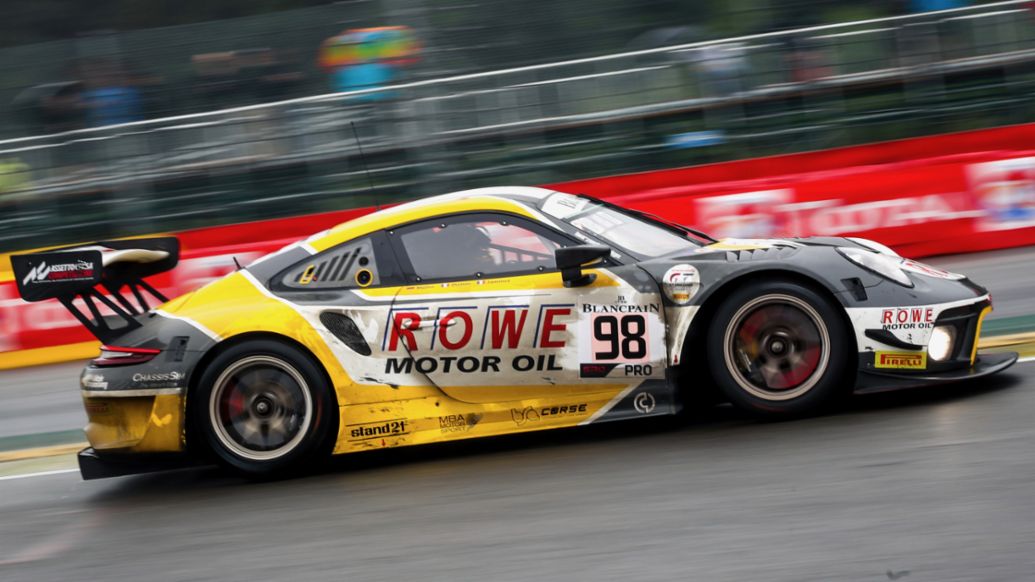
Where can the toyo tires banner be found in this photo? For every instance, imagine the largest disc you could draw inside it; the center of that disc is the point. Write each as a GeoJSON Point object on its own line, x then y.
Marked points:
{"type": "Point", "coordinates": [936, 195]}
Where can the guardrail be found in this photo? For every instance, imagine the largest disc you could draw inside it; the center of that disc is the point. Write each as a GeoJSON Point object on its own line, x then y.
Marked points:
{"type": "Point", "coordinates": [943, 194]}
{"type": "Point", "coordinates": [748, 96]}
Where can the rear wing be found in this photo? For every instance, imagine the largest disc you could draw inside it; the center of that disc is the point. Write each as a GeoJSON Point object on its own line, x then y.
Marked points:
{"type": "Point", "coordinates": [106, 274]}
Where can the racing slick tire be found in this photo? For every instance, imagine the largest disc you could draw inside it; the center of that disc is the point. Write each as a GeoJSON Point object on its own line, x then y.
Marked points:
{"type": "Point", "coordinates": [263, 408]}
{"type": "Point", "coordinates": [778, 349]}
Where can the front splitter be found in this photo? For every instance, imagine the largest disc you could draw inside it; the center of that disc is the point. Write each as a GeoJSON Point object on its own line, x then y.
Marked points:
{"type": "Point", "coordinates": [985, 365]}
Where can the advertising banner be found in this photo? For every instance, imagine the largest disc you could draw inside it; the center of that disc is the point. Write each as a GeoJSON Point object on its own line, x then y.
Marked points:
{"type": "Point", "coordinates": [936, 195]}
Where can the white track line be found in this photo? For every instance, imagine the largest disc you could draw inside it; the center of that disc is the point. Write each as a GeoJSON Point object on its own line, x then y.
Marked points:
{"type": "Point", "coordinates": [40, 474]}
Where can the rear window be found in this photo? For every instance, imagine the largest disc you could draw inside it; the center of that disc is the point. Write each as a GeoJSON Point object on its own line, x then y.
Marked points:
{"type": "Point", "coordinates": [348, 265]}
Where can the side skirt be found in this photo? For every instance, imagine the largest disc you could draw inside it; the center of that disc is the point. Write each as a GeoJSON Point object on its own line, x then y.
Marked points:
{"type": "Point", "coordinates": [440, 419]}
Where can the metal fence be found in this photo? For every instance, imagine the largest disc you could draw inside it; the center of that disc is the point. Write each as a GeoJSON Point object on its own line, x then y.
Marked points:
{"type": "Point", "coordinates": [739, 97]}
{"type": "Point", "coordinates": [172, 70]}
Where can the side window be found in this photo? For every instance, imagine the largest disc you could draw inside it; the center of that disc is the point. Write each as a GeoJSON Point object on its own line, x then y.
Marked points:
{"type": "Point", "coordinates": [348, 265]}
{"type": "Point", "coordinates": [477, 246]}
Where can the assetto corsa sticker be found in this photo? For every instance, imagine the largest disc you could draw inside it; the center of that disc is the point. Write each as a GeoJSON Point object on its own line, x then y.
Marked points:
{"type": "Point", "coordinates": [60, 272]}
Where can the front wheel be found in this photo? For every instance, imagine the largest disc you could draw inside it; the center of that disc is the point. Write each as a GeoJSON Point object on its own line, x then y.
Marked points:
{"type": "Point", "coordinates": [263, 408]}
{"type": "Point", "coordinates": [779, 349]}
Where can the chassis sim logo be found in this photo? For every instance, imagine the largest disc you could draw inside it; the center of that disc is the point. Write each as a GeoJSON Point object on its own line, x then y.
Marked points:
{"type": "Point", "coordinates": [158, 379]}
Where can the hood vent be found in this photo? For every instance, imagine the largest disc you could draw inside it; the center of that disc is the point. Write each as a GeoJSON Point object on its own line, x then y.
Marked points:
{"type": "Point", "coordinates": [775, 253]}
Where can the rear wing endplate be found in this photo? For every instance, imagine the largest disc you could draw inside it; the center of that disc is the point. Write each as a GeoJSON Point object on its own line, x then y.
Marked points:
{"type": "Point", "coordinates": [107, 274]}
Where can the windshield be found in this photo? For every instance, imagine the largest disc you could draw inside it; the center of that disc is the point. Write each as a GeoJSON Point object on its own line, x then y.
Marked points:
{"type": "Point", "coordinates": [639, 235]}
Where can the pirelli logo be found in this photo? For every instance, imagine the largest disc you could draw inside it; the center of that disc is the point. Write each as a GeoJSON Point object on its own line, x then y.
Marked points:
{"type": "Point", "coordinates": [900, 360]}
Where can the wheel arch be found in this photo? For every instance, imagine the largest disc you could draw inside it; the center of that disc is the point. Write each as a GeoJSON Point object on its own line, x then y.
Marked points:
{"type": "Point", "coordinates": [692, 352]}
{"type": "Point", "coordinates": [206, 360]}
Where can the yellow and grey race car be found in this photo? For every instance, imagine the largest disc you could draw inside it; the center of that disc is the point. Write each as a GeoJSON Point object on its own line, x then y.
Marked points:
{"type": "Point", "coordinates": [489, 312]}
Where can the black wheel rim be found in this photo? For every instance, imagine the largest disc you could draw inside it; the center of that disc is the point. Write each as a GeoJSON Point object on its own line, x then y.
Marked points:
{"type": "Point", "coordinates": [777, 347]}
{"type": "Point", "coordinates": [260, 408]}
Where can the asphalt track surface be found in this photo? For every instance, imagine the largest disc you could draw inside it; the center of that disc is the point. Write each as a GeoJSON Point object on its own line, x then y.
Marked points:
{"type": "Point", "coordinates": [41, 399]}
{"type": "Point", "coordinates": [936, 483]}
{"type": "Point", "coordinates": [929, 484]}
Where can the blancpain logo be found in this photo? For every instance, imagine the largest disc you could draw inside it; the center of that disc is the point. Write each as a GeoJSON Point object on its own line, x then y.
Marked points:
{"type": "Point", "coordinates": [162, 377]}
{"type": "Point", "coordinates": [649, 308]}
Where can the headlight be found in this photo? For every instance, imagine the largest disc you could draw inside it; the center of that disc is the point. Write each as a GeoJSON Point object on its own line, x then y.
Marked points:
{"type": "Point", "coordinates": [884, 265]}
{"type": "Point", "coordinates": [874, 246]}
{"type": "Point", "coordinates": [940, 346]}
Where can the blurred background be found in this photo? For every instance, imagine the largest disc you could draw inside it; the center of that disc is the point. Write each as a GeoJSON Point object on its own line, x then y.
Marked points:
{"type": "Point", "coordinates": [121, 117]}
{"type": "Point", "coordinates": [234, 125]}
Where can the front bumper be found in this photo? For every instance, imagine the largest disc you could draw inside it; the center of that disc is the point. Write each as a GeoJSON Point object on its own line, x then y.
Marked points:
{"type": "Point", "coordinates": [873, 380]}
{"type": "Point", "coordinates": [895, 340]}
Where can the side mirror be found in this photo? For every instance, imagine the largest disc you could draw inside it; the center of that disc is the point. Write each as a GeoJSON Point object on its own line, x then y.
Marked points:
{"type": "Point", "coordinates": [570, 261]}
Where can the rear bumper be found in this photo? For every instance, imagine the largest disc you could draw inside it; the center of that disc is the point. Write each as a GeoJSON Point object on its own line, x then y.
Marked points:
{"type": "Point", "coordinates": [135, 421]}
{"type": "Point", "coordinates": [94, 465]}
{"type": "Point", "coordinates": [872, 380]}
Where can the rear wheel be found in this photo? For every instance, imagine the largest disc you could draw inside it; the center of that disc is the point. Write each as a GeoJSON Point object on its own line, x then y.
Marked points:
{"type": "Point", "coordinates": [779, 349]}
{"type": "Point", "coordinates": [263, 408]}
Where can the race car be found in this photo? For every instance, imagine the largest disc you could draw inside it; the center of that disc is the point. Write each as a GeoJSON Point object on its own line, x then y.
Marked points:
{"type": "Point", "coordinates": [489, 312]}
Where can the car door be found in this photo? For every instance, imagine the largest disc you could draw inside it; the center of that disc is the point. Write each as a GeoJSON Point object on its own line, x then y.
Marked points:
{"type": "Point", "coordinates": [487, 318]}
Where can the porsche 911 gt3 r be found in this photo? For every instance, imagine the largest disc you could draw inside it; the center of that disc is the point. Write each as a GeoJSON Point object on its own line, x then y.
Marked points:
{"type": "Point", "coordinates": [488, 312]}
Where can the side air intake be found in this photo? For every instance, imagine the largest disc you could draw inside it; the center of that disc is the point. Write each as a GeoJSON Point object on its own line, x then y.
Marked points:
{"type": "Point", "coordinates": [346, 330]}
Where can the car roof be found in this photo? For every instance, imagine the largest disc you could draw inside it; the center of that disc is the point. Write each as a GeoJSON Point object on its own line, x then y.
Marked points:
{"type": "Point", "coordinates": [522, 200]}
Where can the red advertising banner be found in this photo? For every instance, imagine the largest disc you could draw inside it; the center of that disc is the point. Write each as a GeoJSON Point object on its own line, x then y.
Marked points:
{"type": "Point", "coordinates": [207, 254]}
{"type": "Point", "coordinates": [935, 195]}
{"type": "Point", "coordinates": [920, 207]}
